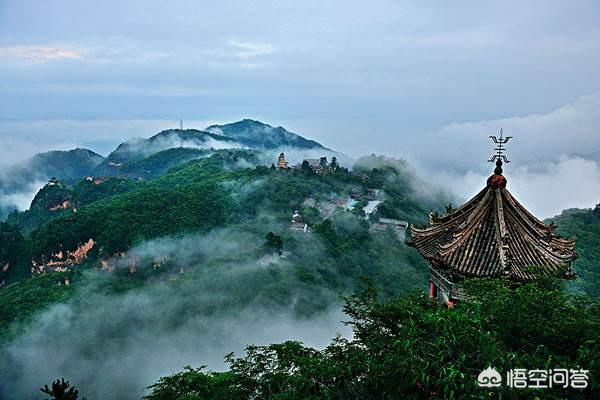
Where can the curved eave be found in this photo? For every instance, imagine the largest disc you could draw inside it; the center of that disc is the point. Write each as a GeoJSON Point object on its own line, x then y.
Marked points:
{"type": "Point", "coordinates": [493, 235]}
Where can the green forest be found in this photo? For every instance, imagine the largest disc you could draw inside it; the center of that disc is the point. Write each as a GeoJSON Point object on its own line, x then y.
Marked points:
{"type": "Point", "coordinates": [204, 195]}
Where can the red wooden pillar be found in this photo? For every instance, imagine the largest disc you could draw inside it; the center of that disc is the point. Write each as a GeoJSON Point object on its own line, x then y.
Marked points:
{"type": "Point", "coordinates": [432, 290]}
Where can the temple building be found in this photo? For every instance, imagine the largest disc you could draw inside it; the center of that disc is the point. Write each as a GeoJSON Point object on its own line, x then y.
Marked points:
{"type": "Point", "coordinates": [281, 163]}
{"type": "Point", "coordinates": [297, 223]}
{"type": "Point", "coordinates": [492, 235]}
{"type": "Point", "coordinates": [383, 224]}
{"type": "Point", "coordinates": [318, 165]}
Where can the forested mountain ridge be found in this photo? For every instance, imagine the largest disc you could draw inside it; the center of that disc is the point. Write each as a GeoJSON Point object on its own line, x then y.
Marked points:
{"type": "Point", "coordinates": [58, 198]}
{"type": "Point", "coordinates": [140, 158]}
{"type": "Point", "coordinates": [70, 164]}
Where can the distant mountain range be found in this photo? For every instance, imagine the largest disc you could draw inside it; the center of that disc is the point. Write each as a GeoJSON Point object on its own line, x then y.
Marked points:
{"type": "Point", "coordinates": [147, 158]}
{"type": "Point", "coordinates": [242, 134]}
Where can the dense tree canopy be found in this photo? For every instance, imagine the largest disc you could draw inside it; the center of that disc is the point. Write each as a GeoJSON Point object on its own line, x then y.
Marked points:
{"type": "Point", "coordinates": [14, 254]}
{"type": "Point", "coordinates": [410, 347]}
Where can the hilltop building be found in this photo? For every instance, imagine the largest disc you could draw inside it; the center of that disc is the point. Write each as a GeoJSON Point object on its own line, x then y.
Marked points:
{"type": "Point", "coordinates": [318, 165]}
{"type": "Point", "coordinates": [383, 224]}
{"type": "Point", "coordinates": [281, 162]}
{"type": "Point", "coordinates": [298, 223]}
{"type": "Point", "coordinates": [334, 165]}
{"type": "Point", "coordinates": [96, 180]}
{"type": "Point", "coordinates": [492, 235]}
{"type": "Point", "coordinates": [373, 194]}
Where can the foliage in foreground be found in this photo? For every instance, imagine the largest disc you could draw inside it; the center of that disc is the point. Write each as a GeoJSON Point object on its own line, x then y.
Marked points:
{"type": "Point", "coordinates": [411, 348]}
{"type": "Point", "coordinates": [61, 390]}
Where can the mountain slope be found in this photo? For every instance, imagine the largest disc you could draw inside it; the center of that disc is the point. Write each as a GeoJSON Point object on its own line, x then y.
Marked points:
{"type": "Point", "coordinates": [159, 163]}
{"type": "Point", "coordinates": [256, 134]}
{"type": "Point", "coordinates": [138, 149]}
{"type": "Point", "coordinates": [585, 225]}
{"type": "Point", "coordinates": [54, 200]}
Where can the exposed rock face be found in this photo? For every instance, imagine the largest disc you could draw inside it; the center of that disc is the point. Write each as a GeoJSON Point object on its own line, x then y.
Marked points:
{"type": "Point", "coordinates": [106, 265]}
{"type": "Point", "coordinates": [133, 266]}
{"type": "Point", "coordinates": [129, 261]}
{"type": "Point", "coordinates": [62, 261]}
{"type": "Point", "coordinates": [65, 205]}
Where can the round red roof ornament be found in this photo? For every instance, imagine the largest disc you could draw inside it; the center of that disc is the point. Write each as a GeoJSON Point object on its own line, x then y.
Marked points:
{"type": "Point", "coordinates": [497, 181]}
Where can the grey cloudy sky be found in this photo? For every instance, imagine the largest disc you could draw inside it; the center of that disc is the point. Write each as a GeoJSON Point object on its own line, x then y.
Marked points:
{"type": "Point", "coordinates": [420, 80]}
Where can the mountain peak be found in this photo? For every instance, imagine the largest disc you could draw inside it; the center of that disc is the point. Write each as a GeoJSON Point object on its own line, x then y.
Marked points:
{"type": "Point", "coordinates": [189, 134]}
{"type": "Point", "coordinates": [257, 134]}
{"type": "Point", "coordinates": [76, 151]}
{"type": "Point", "coordinates": [250, 121]}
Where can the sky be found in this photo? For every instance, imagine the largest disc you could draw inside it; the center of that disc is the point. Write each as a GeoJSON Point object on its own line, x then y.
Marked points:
{"type": "Point", "coordinates": [425, 82]}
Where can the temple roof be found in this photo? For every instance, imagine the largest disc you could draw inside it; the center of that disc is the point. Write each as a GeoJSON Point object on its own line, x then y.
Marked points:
{"type": "Point", "coordinates": [493, 235]}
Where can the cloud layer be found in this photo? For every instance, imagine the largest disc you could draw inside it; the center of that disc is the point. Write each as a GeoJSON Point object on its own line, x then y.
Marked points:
{"type": "Point", "coordinates": [572, 129]}
{"type": "Point", "coordinates": [38, 54]}
{"type": "Point", "coordinates": [553, 163]}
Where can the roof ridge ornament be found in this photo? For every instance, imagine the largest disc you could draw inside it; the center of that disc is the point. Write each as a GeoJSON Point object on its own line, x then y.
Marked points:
{"type": "Point", "coordinates": [500, 149]}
